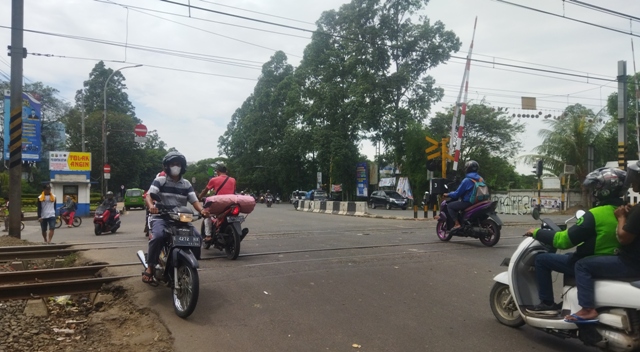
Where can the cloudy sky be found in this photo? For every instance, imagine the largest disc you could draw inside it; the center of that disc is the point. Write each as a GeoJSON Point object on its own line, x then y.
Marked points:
{"type": "Point", "coordinates": [189, 102]}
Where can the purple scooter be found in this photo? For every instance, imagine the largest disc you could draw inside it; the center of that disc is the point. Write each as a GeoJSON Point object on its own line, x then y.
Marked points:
{"type": "Point", "coordinates": [478, 221]}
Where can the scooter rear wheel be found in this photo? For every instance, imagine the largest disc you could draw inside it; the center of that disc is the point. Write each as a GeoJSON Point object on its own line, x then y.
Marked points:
{"type": "Point", "coordinates": [441, 230]}
{"type": "Point", "coordinates": [504, 307]}
{"type": "Point", "coordinates": [491, 239]}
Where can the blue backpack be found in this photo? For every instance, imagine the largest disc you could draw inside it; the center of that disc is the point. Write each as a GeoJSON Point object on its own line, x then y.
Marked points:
{"type": "Point", "coordinates": [480, 191]}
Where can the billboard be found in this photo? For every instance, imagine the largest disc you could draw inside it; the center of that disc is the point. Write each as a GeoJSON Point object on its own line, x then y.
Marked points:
{"type": "Point", "coordinates": [69, 161]}
{"type": "Point", "coordinates": [404, 188]}
{"type": "Point", "coordinates": [31, 126]}
{"type": "Point", "coordinates": [362, 182]}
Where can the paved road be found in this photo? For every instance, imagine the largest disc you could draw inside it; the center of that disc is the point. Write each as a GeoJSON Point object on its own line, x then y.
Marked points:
{"type": "Point", "coordinates": [401, 289]}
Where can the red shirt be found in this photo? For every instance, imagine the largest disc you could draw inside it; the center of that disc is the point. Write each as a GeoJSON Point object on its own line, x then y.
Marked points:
{"type": "Point", "coordinates": [229, 187]}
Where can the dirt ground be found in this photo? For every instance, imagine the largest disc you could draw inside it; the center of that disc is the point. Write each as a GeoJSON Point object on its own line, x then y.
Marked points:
{"type": "Point", "coordinates": [110, 322]}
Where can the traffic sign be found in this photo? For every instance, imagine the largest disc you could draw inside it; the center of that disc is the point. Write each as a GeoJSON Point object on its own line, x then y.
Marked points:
{"type": "Point", "coordinates": [140, 130]}
{"type": "Point", "coordinates": [432, 141]}
{"type": "Point", "coordinates": [433, 156]}
{"type": "Point", "coordinates": [107, 168]}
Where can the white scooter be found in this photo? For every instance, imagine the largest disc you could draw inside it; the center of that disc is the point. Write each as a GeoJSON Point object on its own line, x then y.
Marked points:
{"type": "Point", "coordinates": [617, 301]}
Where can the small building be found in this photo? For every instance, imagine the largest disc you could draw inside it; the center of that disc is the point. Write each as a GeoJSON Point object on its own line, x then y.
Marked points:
{"type": "Point", "coordinates": [70, 175]}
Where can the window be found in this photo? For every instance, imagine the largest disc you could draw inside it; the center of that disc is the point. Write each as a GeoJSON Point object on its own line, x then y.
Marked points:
{"type": "Point", "coordinates": [134, 193]}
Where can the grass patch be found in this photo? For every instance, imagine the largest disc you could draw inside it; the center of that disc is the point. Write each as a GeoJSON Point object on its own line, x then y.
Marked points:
{"type": "Point", "coordinates": [70, 260]}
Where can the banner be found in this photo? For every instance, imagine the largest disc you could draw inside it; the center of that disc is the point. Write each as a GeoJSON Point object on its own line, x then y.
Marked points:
{"type": "Point", "coordinates": [361, 180]}
{"type": "Point", "coordinates": [336, 188]}
{"type": "Point", "coordinates": [319, 180]}
{"type": "Point", "coordinates": [31, 124]}
{"type": "Point", "coordinates": [69, 161]}
{"type": "Point", "coordinates": [404, 188]}
{"type": "Point", "coordinates": [387, 182]}
{"type": "Point", "coordinates": [373, 174]}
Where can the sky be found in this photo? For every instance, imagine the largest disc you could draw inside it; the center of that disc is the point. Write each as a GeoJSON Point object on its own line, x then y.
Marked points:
{"type": "Point", "coordinates": [190, 102]}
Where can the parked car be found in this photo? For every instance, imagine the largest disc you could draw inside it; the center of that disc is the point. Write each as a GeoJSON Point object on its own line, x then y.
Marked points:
{"type": "Point", "coordinates": [388, 199]}
{"type": "Point", "coordinates": [133, 198]}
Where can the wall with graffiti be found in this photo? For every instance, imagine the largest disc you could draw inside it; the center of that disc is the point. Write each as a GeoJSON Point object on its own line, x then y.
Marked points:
{"type": "Point", "coordinates": [520, 202]}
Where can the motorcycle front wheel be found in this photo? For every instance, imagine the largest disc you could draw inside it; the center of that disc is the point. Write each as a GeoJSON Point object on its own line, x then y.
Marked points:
{"type": "Point", "coordinates": [504, 307]}
{"type": "Point", "coordinates": [493, 237]}
{"type": "Point", "coordinates": [441, 230]}
{"type": "Point", "coordinates": [185, 293]}
{"type": "Point", "coordinates": [98, 230]}
{"type": "Point", "coordinates": [232, 243]}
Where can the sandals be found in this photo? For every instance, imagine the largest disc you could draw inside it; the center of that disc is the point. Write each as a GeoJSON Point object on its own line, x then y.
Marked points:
{"type": "Point", "coordinates": [148, 279]}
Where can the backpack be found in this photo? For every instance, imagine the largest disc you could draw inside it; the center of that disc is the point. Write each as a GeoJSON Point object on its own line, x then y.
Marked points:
{"type": "Point", "coordinates": [480, 191]}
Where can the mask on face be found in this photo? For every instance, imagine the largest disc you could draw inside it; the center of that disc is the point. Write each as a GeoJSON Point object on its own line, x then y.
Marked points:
{"type": "Point", "coordinates": [175, 170]}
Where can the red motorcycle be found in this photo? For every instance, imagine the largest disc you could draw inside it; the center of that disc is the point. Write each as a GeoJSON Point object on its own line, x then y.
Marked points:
{"type": "Point", "coordinates": [226, 229]}
{"type": "Point", "coordinates": [102, 223]}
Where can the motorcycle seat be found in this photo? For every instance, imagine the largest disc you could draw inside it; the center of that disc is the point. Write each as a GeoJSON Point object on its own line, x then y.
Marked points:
{"type": "Point", "coordinates": [477, 205]}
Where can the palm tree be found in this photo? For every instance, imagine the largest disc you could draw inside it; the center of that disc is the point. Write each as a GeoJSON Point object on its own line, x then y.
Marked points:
{"type": "Point", "coordinates": [567, 140]}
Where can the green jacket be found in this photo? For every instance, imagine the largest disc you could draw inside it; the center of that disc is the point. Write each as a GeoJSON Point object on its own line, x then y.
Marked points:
{"type": "Point", "coordinates": [593, 234]}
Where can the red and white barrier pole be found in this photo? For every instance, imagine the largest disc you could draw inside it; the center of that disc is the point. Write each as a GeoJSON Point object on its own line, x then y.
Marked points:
{"type": "Point", "coordinates": [463, 114]}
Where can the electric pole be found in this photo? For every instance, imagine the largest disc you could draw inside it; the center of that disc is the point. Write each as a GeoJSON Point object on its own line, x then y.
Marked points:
{"type": "Point", "coordinates": [17, 53]}
{"type": "Point", "coordinates": [622, 114]}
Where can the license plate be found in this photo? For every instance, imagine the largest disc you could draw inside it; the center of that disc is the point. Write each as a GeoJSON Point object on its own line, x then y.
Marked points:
{"type": "Point", "coordinates": [184, 238]}
{"type": "Point", "coordinates": [239, 218]}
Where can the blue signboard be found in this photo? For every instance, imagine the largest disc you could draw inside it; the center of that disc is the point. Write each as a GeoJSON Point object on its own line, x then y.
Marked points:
{"type": "Point", "coordinates": [361, 180]}
{"type": "Point", "coordinates": [31, 125]}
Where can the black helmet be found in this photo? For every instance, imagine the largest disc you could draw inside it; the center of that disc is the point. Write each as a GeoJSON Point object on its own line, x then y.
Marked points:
{"type": "Point", "coordinates": [607, 183]}
{"type": "Point", "coordinates": [471, 166]}
{"type": "Point", "coordinates": [221, 168]}
{"type": "Point", "coordinates": [633, 175]}
{"type": "Point", "coordinates": [173, 156]}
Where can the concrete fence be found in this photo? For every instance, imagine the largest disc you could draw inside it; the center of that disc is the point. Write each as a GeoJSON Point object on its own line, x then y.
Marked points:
{"type": "Point", "coordinates": [331, 207]}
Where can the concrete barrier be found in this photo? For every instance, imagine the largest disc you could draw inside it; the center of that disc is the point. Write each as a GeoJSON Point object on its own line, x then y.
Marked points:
{"type": "Point", "coordinates": [331, 207]}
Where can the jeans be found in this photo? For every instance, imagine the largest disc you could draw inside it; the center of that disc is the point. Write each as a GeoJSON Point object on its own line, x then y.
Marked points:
{"type": "Point", "coordinates": [603, 267]}
{"type": "Point", "coordinates": [454, 207]}
{"type": "Point", "coordinates": [51, 222]}
{"type": "Point", "coordinates": [545, 264]}
{"type": "Point", "coordinates": [158, 236]}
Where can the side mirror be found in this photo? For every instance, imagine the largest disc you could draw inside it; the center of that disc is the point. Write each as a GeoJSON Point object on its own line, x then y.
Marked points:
{"type": "Point", "coordinates": [155, 197]}
{"type": "Point", "coordinates": [536, 213]}
{"type": "Point", "coordinates": [580, 213]}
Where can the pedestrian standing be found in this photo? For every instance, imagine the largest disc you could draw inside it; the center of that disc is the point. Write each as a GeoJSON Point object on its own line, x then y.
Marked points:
{"type": "Point", "coordinates": [47, 212]}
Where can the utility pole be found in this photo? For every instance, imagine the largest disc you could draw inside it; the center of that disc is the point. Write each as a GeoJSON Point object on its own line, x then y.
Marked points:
{"type": "Point", "coordinates": [82, 123]}
{"type": "Point", "coordinates": [17, 53]}
{"type": "Point", "coordinates": [622, 114]}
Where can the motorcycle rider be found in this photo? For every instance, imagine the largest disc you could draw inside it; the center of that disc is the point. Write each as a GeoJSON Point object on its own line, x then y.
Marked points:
{"type": "Point", "coordinates": [268, 194]}
{"type": "Point", "coordinates": [463, 193]}
{"type": "Point", "coordinates": [594, 234]}
{"type": "Point", "coordinates": [625, 264]}
{"type": "Point", "coordinates": [111, 204]}
{"type": "Point", "coordinates": [221, 184]}
{"type": "Point", "coordinates": [173, 190]}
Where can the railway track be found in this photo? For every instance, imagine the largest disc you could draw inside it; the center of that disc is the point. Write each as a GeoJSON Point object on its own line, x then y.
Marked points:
{"type": "Point", "coordinates": [36, 252]}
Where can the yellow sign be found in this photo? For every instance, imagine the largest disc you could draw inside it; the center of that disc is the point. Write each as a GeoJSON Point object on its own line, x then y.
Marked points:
{"type": "Point", "coordinates": [69, 161]}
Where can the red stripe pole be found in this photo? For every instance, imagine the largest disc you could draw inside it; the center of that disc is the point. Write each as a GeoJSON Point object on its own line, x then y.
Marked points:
{"type": "Point", "coordinates": [464, 101]}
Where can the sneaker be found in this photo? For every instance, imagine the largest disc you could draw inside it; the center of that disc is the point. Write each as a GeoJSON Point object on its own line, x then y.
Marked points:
{"type": "Point", "coordinates": [546, 309]}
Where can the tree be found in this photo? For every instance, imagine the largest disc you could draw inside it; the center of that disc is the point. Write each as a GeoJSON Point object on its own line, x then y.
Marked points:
{"type": "Point", "coordinates": [567, 140]}
{"type": "Point", "coordinates": [611, 127]}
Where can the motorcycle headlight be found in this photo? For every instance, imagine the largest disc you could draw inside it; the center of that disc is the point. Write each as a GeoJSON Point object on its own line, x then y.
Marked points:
{"type": "Point", "coordinates": [174, 216]}
{"type": "Point", "coordinates": [185, 217]}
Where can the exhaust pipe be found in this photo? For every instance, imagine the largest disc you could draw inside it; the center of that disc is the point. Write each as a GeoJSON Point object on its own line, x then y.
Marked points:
{"type": "Point", "coordinates": [140, 254]}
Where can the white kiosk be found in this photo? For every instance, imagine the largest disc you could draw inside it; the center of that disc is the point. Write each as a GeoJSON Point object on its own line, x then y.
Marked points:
{"type": "Point", "coordinates": [70, 174]}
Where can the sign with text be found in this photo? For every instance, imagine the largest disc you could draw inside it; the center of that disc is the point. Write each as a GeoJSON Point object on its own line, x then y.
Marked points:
{"type": "Point", "coordinates": [362, 181]}
{"type": "Point", "coordinates": [69, 161]}
{"type": "Point", "coordinates": [31, 125]}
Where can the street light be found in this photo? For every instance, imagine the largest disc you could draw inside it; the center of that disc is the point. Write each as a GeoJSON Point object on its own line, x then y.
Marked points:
{"type": "Point", "coordinates": [105, 183]}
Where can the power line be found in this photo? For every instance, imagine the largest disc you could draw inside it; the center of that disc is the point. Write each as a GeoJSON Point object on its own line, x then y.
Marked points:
{"type": "Point", "coordinates": [603, 10]}
{"type": "Point", "coordinates": [260, 13]}
{"type": "Point", "coordinates": [540, 98]}
{"type": "Point", "coordinates": [140, 9]}
{"type": "Point", "coordinates": [564, 17]}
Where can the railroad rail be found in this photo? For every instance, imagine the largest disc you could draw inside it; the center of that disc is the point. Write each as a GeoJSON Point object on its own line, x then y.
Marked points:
{"type": "Point", "coordinates": [53, 282]}
{"type": "Point", "coordinates": [36, 252]}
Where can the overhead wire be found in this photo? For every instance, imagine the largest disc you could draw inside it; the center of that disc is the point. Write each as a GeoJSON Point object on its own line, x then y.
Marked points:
{"type": "Point", "coordinates": [256, 12]}
{"type": "Point", "coordinates": [603, 10]}
{"type": "Point", "coordinates": [565, 17]}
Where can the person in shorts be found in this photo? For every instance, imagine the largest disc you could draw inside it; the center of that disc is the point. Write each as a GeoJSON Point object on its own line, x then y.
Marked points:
{"type": "Point", "coordinates": [47, 212]}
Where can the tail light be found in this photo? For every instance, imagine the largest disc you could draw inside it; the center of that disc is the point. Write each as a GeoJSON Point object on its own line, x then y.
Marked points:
{"type": "Point", "coordinates": [235, 211]}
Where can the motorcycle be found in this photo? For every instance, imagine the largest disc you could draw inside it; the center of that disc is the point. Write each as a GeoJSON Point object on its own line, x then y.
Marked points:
{"type": "Point", "coordinates": [617, 301]}
{"type": "Point", "coordinates": [478, 221]}
{"type": "Point", "coordinates": [226, 231]}
{"type": "Point", "coordinates": [177, 267]}
{"type": "Point", "coordinates": [101, 220]}
{"type": "Point", "coordinates": [269, 200]}
{"type": "Point", "coordinates": [277, 200]}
